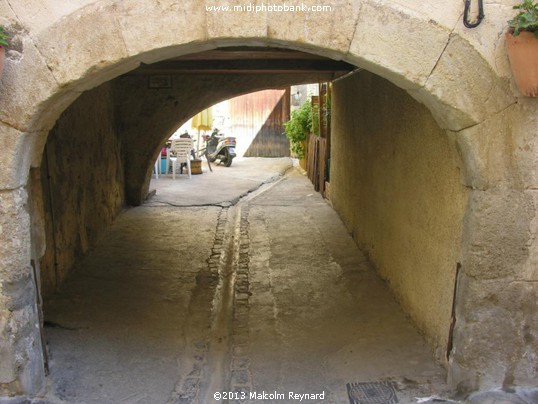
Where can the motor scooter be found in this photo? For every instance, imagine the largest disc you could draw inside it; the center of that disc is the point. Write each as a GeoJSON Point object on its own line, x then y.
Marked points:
{"type": "Point", "coordinates": [220, 147]}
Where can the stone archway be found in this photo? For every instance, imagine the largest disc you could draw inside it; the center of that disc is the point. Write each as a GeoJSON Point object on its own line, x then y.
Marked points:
{"type": "Point", "coordinates": [56, 60]}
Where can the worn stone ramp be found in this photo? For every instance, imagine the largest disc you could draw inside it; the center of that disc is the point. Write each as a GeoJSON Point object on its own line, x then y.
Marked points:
{"type": "Point", "coordinates": [145, 317]}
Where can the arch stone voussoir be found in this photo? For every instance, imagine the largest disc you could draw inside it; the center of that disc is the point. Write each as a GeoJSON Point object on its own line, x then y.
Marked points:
{"type": "Point", "coordinates": [172, 23]}
{"type": "Point", "coordinates": [76, 52]}
{"type": "Point", "coordinates": [502, 150]}
{"type": "Point", "coordinates": [334, 28]}
{"type": "Point", "coordinates": [15, 158]}
{"type": "Point", "coordinates": [383, 31]}
{"type": "Point", "coordinates": [463, 89]}
{"type": "Point", "coordinates": [235, 24]}
{"type": "Point", "coordinates": [26, 84]}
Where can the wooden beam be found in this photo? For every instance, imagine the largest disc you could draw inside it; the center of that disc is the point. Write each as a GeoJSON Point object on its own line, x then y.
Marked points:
{"type": "Point", "coordinates": [248, 53]}
{"type": "Point", "coordinates": [246, 66]}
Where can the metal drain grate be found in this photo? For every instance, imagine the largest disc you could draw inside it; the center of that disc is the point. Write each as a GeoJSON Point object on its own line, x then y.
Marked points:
{"type": "Point", "coordinates": [371, 393]}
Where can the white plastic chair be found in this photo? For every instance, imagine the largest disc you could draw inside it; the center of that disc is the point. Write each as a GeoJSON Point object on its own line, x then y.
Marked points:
{"type": "Point", "coordinates": [182, 149]}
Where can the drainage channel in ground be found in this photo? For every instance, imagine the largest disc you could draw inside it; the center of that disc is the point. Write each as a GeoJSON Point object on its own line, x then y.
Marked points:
{"type": "Point", "coordinates": [219, 362]}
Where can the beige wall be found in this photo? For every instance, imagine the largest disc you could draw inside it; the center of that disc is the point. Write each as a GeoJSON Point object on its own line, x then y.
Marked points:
{"type": "Point", "coordinates": [395, 181]}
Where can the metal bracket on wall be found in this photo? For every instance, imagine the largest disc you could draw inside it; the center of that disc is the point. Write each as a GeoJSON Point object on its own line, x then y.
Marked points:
{"type": "Point", "coordinates": [479, 18]}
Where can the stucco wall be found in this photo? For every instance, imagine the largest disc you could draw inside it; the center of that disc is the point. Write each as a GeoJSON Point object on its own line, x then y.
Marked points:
{"type": "Point", "coordinates": [395, 181]}
{"type": "Point", "coordinates": [83, 182]}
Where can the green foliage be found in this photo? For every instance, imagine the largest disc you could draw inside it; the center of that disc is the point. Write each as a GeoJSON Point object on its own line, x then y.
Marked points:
{"type": "Point", "coordinates": [298, 127]}
{"type": "Point", "coordinates": [315, 119]}
{"type": "Point", "coordinates": [3, 37]}
{"type": "Point", "coordinates": [526, 19]}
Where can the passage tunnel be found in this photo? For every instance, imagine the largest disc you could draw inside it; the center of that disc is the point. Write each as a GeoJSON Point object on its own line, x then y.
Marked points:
{"type": "Point", "coordinates": [392, 175]}
{"type": "Point", "coordinates": [100, 154]}
{"type": "Point", "coordinates": [432, 173]}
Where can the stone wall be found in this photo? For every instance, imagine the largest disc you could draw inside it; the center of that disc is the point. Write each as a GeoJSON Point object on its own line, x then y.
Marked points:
{"type": "Point", "coordinates": [82, 180]}
{"type": "Point", "coordinates": [497, 289]}
{"type": "Point", "coordinates": [461, 75]}
{"type": "Point", "coordinates": [21, 360]}
{"type": "Point", "coordinates": [396, 183]}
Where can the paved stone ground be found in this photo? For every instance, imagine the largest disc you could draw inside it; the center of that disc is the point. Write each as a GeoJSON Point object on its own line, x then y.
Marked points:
{"type": "Point", "coordinates": [317, 316]}
{"type": "Point", "coordinates": [222, 186]}
{"type": "Point", "coordinates": [266, 297]}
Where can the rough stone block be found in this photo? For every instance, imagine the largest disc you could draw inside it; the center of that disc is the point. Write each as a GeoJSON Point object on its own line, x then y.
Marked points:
{"type": "Point", "coordinates": [240, 363]}
{"type": "Point", "coordinates": [530, 269]}
{"type": "Point", "coordinates": [75, 50]}
{"type": "Point", "coordinates": [21, 355]}
{"type": "Point", "coordinates": [20, 349]}
{"type": "Point", "coordinates": [15, 159]}
{"type": "Point", "coordinates": [488, 152]}
{"type": "Point", "coordinates": [523, 128]}
{"type": "Point", "coordinates": [444, 13]}
{"type": "Point", "coordinates": [6, 12]}
{"type": "Point", "coordinates": [334, 27]}
{"type": "Point", "coordinates": [36, 15]}
{"type": "Point", "coordinates": [491, 314]}
{"type": "Point", "coordinates": [497, 233]}
{"type": "Point", "coordinates": [223, 25]}
{"type": "Point", "coordinates": [460, 96]}
{"type": "Point", "coordinates": [493, 26]}
{"type": "Point", "coordinates": [28, 109]}
{"type": "Point", "coordinates": [22, 151]}
{"type": "Point", "coordinates": [172, 22]}
{"type": "Point", "coordinates": [382, 32]}
{"type": "Point", "coordinates": [14, 234]}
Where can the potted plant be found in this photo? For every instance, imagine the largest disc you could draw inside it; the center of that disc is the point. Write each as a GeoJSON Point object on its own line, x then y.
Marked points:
{"type": "Point", "coordinates": [3, 44]}
{"type": "Point", "coordinates": [522, 46]}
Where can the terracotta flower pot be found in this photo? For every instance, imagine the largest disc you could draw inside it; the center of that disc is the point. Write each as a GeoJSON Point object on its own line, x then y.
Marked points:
{"type": "Point", "coordinates": [523, 56]}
